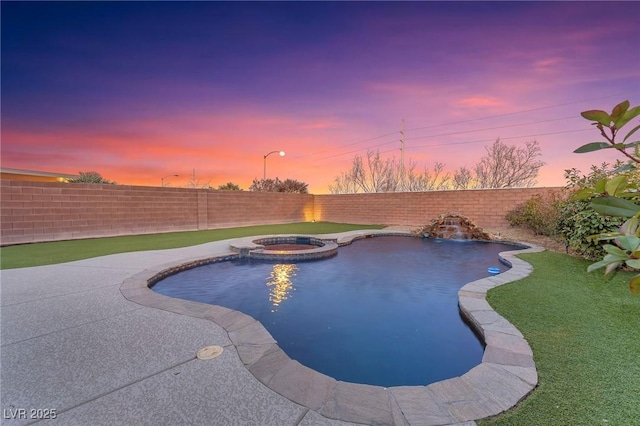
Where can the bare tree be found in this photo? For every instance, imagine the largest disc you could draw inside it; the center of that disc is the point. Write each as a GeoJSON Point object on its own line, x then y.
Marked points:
{"type": "Point", "coordinates": [344, 183]}
{"type": "Point", "coordinates": [194, 182]}
{"type": "Point", "coordinates": [508, 166]}
{"type": "Point", "coordinates": [432, 180]}
{"type": "Point", "coordinates": [504, 166]}
{"type": "Point", "coordinates": [377, 175]}
{"type": "Point", "coordinates": [463, 178]}
{"type": "Point", "coordinates": [387, 175]}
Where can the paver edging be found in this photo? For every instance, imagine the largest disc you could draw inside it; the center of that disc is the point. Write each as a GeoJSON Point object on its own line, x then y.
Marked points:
{"type": "Point", "coordinates": [507, 355]}
{"type": "Point", "coordinates": [507, 362]}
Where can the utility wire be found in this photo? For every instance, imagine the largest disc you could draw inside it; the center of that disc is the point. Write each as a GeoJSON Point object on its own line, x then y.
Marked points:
{"type": "Point", "coordinates": [493, 128]}
{"type": "Point", "coordinates": [454, 133]}
{"type": "Point", "coordinates": [482, 140]}
{"type": "Point", "coordinates": [491, 140]}
{"type": "Point", "coordinates": [512, 113]}
{"type": "Point", "coordinates": [446, 134]}
{"type": "Point", "coordinates": [346, 145]}
{"type": "Point", "coordinates": [356, 150]}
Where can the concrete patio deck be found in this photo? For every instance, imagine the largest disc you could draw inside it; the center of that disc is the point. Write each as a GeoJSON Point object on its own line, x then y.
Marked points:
{"type": "Point", "coordinates": [90, 341]}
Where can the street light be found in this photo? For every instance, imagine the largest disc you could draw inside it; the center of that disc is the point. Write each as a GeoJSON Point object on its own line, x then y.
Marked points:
{"type": "Point", "coordinates": [264, 176]}
{"type": "Point", "coordinates": [162, 179]}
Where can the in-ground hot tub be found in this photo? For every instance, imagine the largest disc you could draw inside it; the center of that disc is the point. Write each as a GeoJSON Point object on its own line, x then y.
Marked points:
{"type": "Point", "coordinates": [286, 247]}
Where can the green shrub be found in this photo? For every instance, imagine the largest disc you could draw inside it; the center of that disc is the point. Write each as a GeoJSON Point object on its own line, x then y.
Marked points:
{"type": "Point", "coordinates": [539, 213]}
{"type": "Point", "coordinates": [573, 220]}
{"type": "Point", "coordinates": [578, 222]}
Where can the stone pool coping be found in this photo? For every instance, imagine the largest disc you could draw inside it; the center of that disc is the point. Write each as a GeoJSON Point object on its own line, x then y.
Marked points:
{"type": "Point", "coordinates": [506, 375]}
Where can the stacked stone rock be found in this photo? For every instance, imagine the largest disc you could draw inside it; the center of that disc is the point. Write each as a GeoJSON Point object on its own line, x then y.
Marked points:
{"type": "Point", "coordinates": [453, 226]}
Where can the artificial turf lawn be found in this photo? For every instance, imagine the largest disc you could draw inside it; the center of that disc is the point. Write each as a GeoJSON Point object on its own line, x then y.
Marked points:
{"type": "Point", "coordinates": [585, 336]}
{"type": "Point", "coordinates": [25, 255]}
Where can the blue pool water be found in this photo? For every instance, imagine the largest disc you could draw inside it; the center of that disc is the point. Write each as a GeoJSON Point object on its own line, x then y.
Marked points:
{"type": "Point", "coordinates": [384, 311]}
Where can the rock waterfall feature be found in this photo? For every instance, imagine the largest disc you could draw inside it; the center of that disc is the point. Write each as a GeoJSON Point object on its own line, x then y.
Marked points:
{"type": "Point", "coordinates": [453, 226]}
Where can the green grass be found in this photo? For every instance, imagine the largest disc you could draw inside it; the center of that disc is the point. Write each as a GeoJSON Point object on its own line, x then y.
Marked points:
{"type": "Point", "coordinates": [25, 255]}
{"type": "Point", "coordinates": [585, 336]}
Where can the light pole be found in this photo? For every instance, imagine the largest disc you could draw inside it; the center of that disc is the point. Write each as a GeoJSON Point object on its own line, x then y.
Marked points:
{"type": "Point", "coordinates": [162, 179]}
{"type": "Point", "coordinates": [264, 175]}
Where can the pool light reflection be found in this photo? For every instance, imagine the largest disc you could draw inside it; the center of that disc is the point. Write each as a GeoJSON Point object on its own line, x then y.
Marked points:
{"type": "Point", "coordinates": [280, 282]}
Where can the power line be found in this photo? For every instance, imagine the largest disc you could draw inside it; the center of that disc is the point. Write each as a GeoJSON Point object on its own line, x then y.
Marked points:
{"type": "Point", "coordinates": [476, 141]}
{"type": "Point", "coordinates": [446, 134]}
{"type": "Point", "coordinates": [402, 133]}
{"type": "Point", "coordinates": [491, 140]}
{"type": "Point", "coordinates": [356, 150]}
{"type": "Point", "coordinates": [512, 113]}
{"type": "Point", "coordinates": [494, 128]}
{"type": "Point", "coordinates": [346, 145]}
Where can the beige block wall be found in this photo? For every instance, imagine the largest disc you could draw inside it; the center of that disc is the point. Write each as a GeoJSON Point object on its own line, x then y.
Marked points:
{"type": "Point", "coordinates": [234, 208]}
{"type": "Point", "coordinates": [486, 207]}
{"type": "Point", "coordinates": [43, 211]}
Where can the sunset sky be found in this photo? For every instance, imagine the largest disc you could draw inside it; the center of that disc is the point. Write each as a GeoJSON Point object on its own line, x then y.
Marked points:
{"type": "Point", "coordinates": [140, 90]}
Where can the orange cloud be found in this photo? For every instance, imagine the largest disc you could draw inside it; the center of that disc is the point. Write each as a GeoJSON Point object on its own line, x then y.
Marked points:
{"type": "Point", "coordinates": [221, 148]}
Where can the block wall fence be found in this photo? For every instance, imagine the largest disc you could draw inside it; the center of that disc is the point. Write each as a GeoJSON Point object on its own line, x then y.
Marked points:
{"type": "Point", "coordinates": [47, 211]}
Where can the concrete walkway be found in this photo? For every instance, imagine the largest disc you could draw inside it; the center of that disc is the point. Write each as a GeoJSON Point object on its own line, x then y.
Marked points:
{"type": "Point", "coordinates": [80, 343]}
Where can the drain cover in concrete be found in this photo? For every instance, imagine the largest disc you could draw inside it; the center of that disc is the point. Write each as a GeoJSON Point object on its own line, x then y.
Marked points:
{"type": "Point", "coordinates": [209, 352]}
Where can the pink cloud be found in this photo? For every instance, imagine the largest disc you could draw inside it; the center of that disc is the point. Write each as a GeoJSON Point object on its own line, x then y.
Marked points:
{"type": "Point", "coordinates": [479, 102]}
{"type": "Point", "coordinates": [405, 89]}
{"type": "Point", "coordinates": [548, 65]}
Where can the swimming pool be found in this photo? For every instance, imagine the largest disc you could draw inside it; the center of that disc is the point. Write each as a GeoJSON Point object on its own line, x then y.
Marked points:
{"type": "Point", "coordinates": [383, 312]}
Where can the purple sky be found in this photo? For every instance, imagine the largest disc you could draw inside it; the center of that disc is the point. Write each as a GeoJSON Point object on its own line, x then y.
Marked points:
{"type": "Point", "coordinates": [138, 91]}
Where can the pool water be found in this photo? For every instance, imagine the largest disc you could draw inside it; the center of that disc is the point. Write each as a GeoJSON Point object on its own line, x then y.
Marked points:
{"type": "Point", "coordinates": [384, 311]}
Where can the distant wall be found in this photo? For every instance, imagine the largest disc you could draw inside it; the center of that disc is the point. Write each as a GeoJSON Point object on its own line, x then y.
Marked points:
{"type": "Point", "coordinates": [46, 211]}
{"type": "Point", "coordinates": [43, 211]}
{"type": "Point", "coordinates": [486, 207]}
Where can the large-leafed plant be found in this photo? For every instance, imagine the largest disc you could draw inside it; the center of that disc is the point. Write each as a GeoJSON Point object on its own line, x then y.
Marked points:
{"type": "Point", "coordinates": [618, 195]}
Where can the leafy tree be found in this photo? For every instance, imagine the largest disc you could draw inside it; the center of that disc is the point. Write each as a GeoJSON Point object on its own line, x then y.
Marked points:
{"type": "Point", "coordinates": [229, 186]}
{"type": "Point", "coordinates": [617, 195]}
{"type": "Point", "coordinates": [91, 177]}
{"type": "Point", "coordinates": [276, 185]}
{"type": "Point", "coordinates": [292, 185]}
{"type": "Point", "coordinates": [265, 185]}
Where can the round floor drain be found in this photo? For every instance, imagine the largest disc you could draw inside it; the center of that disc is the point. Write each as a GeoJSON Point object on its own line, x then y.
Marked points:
{"type": "Point", "coordinates": [210, 352]}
